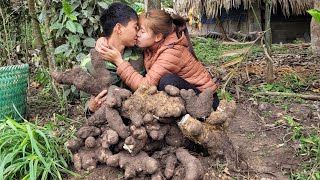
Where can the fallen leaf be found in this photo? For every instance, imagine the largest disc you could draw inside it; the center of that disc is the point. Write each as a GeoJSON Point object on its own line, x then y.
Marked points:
{"type": "Point", "coordinates": [235, 52]}
{"type": "Point", "coordinates": [226, 171]}
{"type": "Point", "coordinates": [280, 145]}
{"type": "Point", "coordinates": [255, 149]}
{"type": "Point", "coordinates": [232, 62]}
{"type": "Point", "coordinates": [316, 90]}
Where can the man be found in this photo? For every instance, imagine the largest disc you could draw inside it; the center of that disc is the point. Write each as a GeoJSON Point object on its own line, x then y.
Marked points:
{"type": "Point", "coordinates": [120, 24]}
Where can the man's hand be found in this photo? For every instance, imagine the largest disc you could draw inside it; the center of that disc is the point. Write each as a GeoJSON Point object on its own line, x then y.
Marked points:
{"type": "Point", "coordinates": [96, 101]}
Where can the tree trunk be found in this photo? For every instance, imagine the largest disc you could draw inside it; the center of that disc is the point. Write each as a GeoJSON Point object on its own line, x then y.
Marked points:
{"type": "Point", "coordinates": [315, 32]}
{"type": "Point", "coordinates": [152, 4]}
{"type": "Point", "coordinates": [37, 33]}
{"type": "Point", "coordinates": [268, 40]}
{"type": "Point", "coordinates": [51, 60]}
{"type": "Point", "coordinates": [268, 35]}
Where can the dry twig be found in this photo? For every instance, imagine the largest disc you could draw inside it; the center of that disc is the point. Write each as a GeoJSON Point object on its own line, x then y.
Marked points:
{"type": "Point", "coordinates": [303, 96]}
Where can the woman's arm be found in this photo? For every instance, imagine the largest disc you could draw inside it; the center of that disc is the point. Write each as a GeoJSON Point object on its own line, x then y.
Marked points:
{"type": "Point", "coordinates": [165, 63]}
{"type": "Point", "coordinates": [108, 52]}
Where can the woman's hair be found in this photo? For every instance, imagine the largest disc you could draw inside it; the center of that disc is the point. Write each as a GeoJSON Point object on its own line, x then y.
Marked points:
{"type": "Point", "coordinates": [160, 21]}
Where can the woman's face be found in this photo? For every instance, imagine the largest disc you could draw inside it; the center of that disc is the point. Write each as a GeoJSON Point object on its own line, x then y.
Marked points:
{"type": "Point", "coordinates": [146, 37]}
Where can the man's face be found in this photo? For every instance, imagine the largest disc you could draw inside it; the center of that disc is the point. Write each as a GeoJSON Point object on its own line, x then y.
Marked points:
{"type": "Point", "coordinates": [129, 33]}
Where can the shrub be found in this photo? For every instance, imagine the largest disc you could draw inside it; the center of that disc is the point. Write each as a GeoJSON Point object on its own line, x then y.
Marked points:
{"type": "Point", "coordinates": [28, 151]}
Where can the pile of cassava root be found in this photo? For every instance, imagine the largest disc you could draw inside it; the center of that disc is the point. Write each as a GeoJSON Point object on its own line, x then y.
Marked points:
{"type": "Point", "coordinates": [146, 133]}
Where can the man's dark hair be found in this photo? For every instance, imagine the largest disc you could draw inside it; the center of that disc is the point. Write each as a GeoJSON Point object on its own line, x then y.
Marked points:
{"type": "Point", "coordinates": [116, 13]}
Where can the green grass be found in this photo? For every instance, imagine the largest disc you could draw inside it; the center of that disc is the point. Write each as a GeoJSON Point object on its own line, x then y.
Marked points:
{"type": "Point", "coordinates": [309, 150]}
{"type": "Point", "coordinates": [227, 95]}
{"type": "Point", "coordinates": [28, 151]}
{"type": "Point", "coordinates": [307, 146]}
{"type": "Point", "coordinates": [209, 51]}
{"type": "Point", "coordinates": [279, 49]}
{"type": "Point", "coordinates": [287, 84]}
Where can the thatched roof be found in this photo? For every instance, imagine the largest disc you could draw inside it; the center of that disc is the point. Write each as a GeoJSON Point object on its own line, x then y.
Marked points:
{"type": "Point", "coordinates": [213, 7]}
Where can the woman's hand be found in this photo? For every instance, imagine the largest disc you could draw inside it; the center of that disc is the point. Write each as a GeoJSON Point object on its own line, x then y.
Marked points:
{"type": "Point", "coordinates": [112, 54]}
{"type": "Point", "coordinates": [102, 42]}
{"type": "Point", "coordinates": [108, 52]}
{"type": "Point", "coordinates": [96, 101]}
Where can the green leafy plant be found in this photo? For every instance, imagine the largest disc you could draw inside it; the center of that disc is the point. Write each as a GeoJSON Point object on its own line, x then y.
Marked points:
{"type": "Point", "coordinates": [297, 128]}
{"type": "Point", "coordinates": [277, 87]}
{"type": "Point", "coordinates": [42, 76]}
{"type": "Point", "coordinates": [167, 3]}
{"type": "Point", "coordinates": [290, 83]}
{"type": "Point", "coordinates": [28, 151]}
{"type": "Point", "coordinates": [138, 7]}
{"type": "Point", "coordinates": [315, 13]}
{"type": "Point", "coordinates": [76, 26]}
{"type": "Point", "coordinates": [309, 150]}
{"type": "Point", "coordinates": [227, 95]}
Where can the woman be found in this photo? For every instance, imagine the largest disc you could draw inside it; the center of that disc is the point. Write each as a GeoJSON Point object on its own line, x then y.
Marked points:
{"type": "Point", "coordinates": [168, 56]}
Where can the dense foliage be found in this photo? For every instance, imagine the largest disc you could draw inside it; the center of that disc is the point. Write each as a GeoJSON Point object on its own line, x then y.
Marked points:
{"type": "Point", "coordinates": [15, 32]}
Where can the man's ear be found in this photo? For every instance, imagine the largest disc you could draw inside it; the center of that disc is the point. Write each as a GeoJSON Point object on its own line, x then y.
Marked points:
{"type": "Point", "coordinates": [118, 28]}
{"type": "Point", "coordinates": [159, 37]}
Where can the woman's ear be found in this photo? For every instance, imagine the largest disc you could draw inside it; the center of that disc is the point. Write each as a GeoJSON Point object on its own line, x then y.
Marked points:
{"type": "Point", "coordinates": [159, 37]}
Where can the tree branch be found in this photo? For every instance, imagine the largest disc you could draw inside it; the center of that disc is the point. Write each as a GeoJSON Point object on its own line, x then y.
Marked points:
{"type": "Point", "coordinates": [303, 96]}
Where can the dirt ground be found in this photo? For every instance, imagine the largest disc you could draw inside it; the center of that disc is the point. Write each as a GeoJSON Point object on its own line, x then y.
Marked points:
{"type": "Point", "coordinates": [263, 141]}
{"type": "Point", "coordinates": [265, 147]}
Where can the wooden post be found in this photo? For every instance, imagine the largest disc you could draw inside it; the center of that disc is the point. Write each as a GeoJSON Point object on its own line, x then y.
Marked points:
{"type": "Point", "coordinates": [315, 32]}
